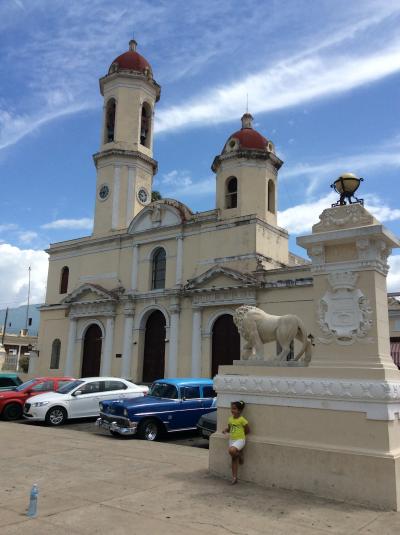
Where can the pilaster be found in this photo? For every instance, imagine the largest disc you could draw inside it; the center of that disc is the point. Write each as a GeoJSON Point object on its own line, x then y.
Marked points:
{"type": "Point", "coordinates": [69, 361]}
{"type": "Point", "coordinates": [129, 312]}
{"type": "Point", "coordinates": [174, 310]}
{"type": "Point", "coordinates": [196, 342]}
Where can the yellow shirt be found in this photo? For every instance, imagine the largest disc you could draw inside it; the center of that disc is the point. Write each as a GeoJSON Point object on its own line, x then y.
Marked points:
{"type": "Point", "coordinates": [236, 427]}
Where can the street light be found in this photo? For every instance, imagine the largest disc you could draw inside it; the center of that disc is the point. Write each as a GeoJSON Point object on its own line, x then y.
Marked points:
{"type": "Point", "coordinates": [346, 185]}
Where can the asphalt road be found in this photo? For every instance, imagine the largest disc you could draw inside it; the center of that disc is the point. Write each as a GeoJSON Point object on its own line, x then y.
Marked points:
{"type": "Point", "coordinates": [86, 425]}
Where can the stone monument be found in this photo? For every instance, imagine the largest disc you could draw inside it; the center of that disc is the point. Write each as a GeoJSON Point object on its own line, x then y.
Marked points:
{"type": "Point", "coordinates": [331, 426]}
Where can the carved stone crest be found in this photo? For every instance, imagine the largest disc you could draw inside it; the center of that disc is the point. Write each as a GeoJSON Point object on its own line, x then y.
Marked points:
{"type": "Point", "coordinates": [348, 216]}
{"type": "Point", "coordinates": [344, 314]}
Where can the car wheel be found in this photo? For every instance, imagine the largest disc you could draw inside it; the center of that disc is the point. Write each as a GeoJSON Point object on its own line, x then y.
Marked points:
{"type": "Point", "coordinates": [149, 430]}
{"type": "Point", "coordinates": [115, 434]}
{"type": "Point", "coordinates": [13, 411]}
{"type": "Point", "coordinates": [56, 416]}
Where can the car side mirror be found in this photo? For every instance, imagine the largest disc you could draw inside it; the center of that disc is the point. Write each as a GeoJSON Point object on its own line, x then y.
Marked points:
{"type": "Point", "coordinates": [77, 393]}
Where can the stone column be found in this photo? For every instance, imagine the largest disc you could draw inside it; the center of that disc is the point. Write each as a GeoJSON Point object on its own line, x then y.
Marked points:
{"type": "Point", "coordinates": [179, 260]}
{"type": "Point", "coordinates": [69, 361]}
{"type": "Point", "coordinates": [108, 347]}
{"type": "Point", "coordinates": [33, 358]}
{"type": "Point", "coordinates": [135, 267]}
{"type": "Point", "coordinates": [173, 341]}
{"type": "Point", "coordinates": [349, 250]}
{"type": "Point", "coordinates": [196, 343]}
{"type": "Point", "coordinates": [129, 312]}
{"type": "Point", "coordinates": [18, 357]}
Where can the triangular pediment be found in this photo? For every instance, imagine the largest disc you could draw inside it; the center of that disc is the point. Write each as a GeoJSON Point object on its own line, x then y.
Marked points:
{"type": "Point", "coordinates": [220, 277]}
{"type": "Point", "coordinates": [87, 293]}
{"type": "Point", "coordinates": [162, 213]}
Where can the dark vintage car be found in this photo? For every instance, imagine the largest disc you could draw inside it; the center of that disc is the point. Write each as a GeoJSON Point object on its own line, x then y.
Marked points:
{"type": "Point", "coordinates": [171, 405]}
{"type": "Point", "coordinates": [207, 425]}
{"type": "Point", "coordinates": [9, 381]}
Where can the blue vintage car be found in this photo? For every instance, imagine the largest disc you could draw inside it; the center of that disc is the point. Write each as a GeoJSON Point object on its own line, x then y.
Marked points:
{"type": "Point", "coordinates": [171, 405]}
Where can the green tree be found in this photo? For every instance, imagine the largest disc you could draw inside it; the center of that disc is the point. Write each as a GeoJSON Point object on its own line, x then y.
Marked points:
{"type": "Point", "coordinates": [155, 196]}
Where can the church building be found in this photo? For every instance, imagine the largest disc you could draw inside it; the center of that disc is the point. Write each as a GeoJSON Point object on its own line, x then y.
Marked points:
{"type": "Point", "coordinates": [151, 293]}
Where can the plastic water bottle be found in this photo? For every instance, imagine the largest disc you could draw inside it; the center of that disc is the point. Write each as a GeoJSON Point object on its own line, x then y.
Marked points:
{"type": "Point", "coordinates": [32, 510]}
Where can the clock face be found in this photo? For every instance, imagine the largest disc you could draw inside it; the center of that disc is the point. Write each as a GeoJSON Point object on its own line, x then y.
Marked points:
{"type": "Point", "coordinates": [143, 196]}
{"type": "Point", "coordinates": [104, 192]}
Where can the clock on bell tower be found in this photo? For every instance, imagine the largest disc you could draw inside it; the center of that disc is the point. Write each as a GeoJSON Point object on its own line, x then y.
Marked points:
{"type": "Point", "coordinates": [125, 164]}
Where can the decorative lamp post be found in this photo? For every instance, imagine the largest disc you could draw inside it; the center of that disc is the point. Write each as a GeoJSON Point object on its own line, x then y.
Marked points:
{"type": "Point", "coordinates": [346, 185]}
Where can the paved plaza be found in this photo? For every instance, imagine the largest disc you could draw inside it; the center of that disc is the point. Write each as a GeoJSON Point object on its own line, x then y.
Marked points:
{"type": "Point", "coordinates": [97, 484]}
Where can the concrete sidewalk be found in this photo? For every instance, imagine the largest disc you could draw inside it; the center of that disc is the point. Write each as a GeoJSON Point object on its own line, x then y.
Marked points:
{"type": "Point", "coordinates": [93, 484]}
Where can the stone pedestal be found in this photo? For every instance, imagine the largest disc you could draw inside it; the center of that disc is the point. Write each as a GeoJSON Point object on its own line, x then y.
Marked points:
{"type": "Point", "coordinates": [331, 428]}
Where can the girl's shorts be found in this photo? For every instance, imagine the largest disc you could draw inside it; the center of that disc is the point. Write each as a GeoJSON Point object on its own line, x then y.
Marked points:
{"type": "Point", "coordinates": [239, 444]}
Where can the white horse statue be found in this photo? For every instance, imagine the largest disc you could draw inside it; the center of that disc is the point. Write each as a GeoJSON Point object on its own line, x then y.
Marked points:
{"type": "Point", "coordinates": [258, 328]}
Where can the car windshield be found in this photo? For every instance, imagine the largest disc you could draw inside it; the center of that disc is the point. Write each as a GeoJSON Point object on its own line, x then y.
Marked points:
{"type": "Point", "coordinates": [163, 390]}
{"type": "Point", "coordinates": [27, 384]}
{"type": "Point", "coordinates": [69, 386]}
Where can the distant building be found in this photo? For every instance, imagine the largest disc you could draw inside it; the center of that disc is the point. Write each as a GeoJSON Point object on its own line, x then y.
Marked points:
{"type": "Point", "coordinates": [20, 334]}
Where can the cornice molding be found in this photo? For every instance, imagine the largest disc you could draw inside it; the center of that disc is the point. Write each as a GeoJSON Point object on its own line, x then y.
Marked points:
{"type": "Point", "coordinates": [134, 154]}
{"type": "Point", "coordinates": [380, 400]}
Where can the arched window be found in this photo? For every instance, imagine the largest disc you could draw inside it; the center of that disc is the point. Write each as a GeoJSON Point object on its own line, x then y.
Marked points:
{"type": "Point", "coordinates": [231, 192]}
{"type": "Point", "coordinates": [271, 196]}
{"type": "Point", "coordinates": [110, 121]}
{"type": "Point", "coordinates": [145, 125]}
{"type": "Point", "coordinates": [158, 269]}
{"type": "Point", "coordinates": [64, 280]}
{"type": "Point", "coordinates": [55, 354]}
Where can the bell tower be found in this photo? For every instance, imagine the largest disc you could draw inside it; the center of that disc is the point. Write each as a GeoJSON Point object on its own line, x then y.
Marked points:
{"type": "Point", "coordinates": [247, 173]}
{"type": "Point", "coordinates": [125, 164]}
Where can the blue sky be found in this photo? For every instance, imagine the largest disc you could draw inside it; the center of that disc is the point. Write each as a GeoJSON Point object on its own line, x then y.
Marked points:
{"type": "Point", "coordinates": [322, 80]}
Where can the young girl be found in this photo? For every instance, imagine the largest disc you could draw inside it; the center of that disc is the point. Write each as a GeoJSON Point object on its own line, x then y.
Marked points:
{"type": "Point", "coordinates": [238, 428]}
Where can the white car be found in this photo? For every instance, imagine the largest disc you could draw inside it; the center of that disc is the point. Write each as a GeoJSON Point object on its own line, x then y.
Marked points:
{"type": "Point", "coordinates": [79, 399]}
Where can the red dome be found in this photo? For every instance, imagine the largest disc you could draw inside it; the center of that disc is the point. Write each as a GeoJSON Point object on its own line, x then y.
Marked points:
{"type": "Point", "coordinates": [132, 60]}
{"type": "Point", "coordinates": [250, 139]}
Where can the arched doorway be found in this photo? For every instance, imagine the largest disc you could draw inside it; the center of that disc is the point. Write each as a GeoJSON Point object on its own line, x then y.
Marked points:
{"type": "Point", "coordinates": [154, 347]}
{"type": "Point", "coordinates": [91, 351]}
{"type": "Point", "coordinates": [225, 342]}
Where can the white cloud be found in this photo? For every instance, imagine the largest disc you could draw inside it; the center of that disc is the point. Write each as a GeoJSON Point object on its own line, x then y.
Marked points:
{"type": "Point", "coordinates": [65, 54]}
{"type": "Point", "coordinates": [286, 83]}
{"type": "Point", "coordinates": [180, 184]}
{"type": "Point", "coordinates": [177, 178]}
{"type": "Point", "coordinates": [393, 280]}
{"type": "Point", "coordinates": [14, 127]}
{"type": "Point", "coordinates": [14, 263]}
{"type": "Point", "coordinates": [377, 158]}
{"type": "Point", "coordinates": [84, 223]}
{"type": "Point", "coordinates": [27, 236]}
{"type": "Point", "coordinates": [8, 226]}
{"type": "Point", "coordinates": [300, 218]}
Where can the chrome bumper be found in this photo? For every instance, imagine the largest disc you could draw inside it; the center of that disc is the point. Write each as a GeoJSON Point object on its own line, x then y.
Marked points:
{"type": "Point", "coordinates": [113, 426]}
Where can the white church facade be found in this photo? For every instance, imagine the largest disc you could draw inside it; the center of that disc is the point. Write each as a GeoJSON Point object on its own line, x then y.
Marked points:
{"type": "Point", "coordinates": [152, 291]}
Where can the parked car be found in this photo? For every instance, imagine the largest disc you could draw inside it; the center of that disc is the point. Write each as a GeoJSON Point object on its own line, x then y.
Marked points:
{"type": "Point", "coordinates": [79, 399]}
{"type": "Point", "coordinates": [12, 401]}
{"type": "Point", "coordinates": [171, 405]}
{"type": "Point", "coordinates": [207, 424]}
{"type": "Point", "coordinates": [8, 381]}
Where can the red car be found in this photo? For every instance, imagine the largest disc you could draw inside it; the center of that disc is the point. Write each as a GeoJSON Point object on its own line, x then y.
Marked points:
{"type": "Point", "coordinates": [12, 401]}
